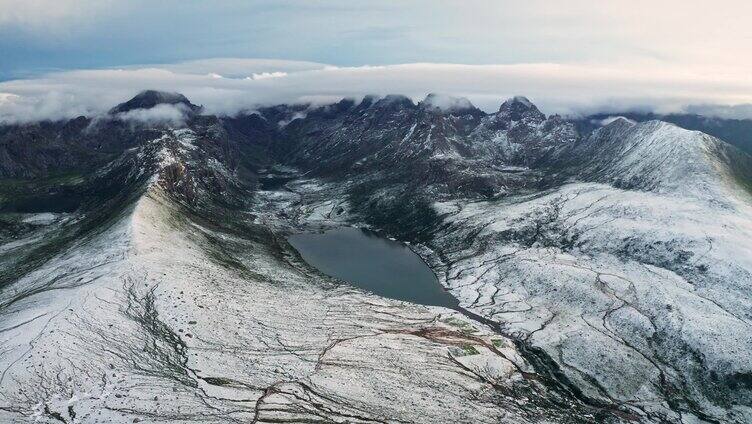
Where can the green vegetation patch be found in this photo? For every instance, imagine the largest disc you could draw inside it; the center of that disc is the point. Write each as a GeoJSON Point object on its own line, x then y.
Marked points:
{"type": "Point", "coordinates": [464, 326]}
{"type": "Point", "coordinates": [469, 350]}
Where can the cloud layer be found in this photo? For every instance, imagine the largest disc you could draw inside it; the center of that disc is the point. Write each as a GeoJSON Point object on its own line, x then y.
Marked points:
{"type": "Point", "coordinates": [165, 113]}
{"type": "Point", "coordinates": [227, 86]}
{"type": "Point", "coordinates": [43, 17]}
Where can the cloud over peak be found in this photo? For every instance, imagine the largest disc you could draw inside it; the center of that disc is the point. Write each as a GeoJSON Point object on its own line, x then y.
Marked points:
{"type": "Point", "coordinates": [173, 114]}
{"type": "Point", "coordinates": [246, 84]}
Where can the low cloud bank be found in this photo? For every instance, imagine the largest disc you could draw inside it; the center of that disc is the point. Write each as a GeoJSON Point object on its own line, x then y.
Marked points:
{"type": "Point", "coordinates": [165, 113]}
{"type": "Point", "coordinates": [229, 86]}
{"type": "Point", "coordinates": [448, 103]}
{"type": "Point", "coordinates": [743, 111]}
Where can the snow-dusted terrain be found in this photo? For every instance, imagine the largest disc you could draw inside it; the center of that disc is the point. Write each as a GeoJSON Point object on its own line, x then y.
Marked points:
{"type": "Point", "coordinates": [601, 278]}
{"type": "Point", "coordinates": [167, 318]}
{"type": "Point", "coordinates": [149, 326]}
{"type": "Point", "coordinates": [637, 300]}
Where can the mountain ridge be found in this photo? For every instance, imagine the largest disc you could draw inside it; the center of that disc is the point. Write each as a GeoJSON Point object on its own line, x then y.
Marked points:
{"type": "Point", "coordinates": [737, 132]}
{"type": "Point", "coordinates": [442, 143]}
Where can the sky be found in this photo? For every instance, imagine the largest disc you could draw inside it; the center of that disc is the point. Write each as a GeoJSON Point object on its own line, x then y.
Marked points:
{"type": "Point", "coordinates": [63, 57]}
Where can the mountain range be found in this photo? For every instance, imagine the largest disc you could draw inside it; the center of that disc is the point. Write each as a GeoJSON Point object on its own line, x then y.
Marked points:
{"type": "Point", "coordinates": [602, 266]}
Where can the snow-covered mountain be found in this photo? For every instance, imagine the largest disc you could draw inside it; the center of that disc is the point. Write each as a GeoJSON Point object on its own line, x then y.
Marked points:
{"type": "Point", "coordinates": [602, 276]}
{"type": "Point", "coordinates": [735, 131]}
{"type": "Point", "coordinates": [657, 156]}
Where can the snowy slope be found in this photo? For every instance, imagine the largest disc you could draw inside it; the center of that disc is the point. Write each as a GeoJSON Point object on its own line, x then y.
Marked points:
{"type": "Point", "coordinates": [659, 157]}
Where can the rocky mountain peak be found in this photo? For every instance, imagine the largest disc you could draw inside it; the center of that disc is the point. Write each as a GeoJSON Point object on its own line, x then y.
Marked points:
{"type": "Point", "coordinates": [394, 101]}
{"type": "Point", "coordinates": [519, 108]}
{"type": "Point", "coordinates": [449, 105]}
{"type": "Point", "coordinates": [148, 99]}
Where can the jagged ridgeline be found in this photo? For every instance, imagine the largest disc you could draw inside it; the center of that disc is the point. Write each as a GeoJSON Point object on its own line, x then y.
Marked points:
{"type": "Point", "coordinates": [603, 272]}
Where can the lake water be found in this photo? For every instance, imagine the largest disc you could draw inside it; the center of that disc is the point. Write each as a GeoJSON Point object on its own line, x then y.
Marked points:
{"type": "Point", "coordinates": [382, 266]}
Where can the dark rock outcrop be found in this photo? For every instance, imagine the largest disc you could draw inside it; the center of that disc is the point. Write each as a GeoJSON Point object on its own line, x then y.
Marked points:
{"type": "Point", "coordinates": [150, 98]}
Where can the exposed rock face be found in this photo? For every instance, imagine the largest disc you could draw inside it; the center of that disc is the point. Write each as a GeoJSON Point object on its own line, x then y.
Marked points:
{"type": "Point", "coordinates": [150, 98]}
{"type": "Point", "coordinates": [380, 131]}
{"type": "Point", "coordinates": [520, 109]}
{"type": "Point", "coordinates": [48, 148]}
{"type": "Point", "coordinates": [605, 277]}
